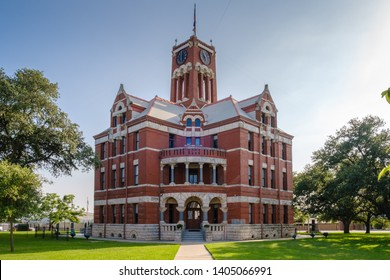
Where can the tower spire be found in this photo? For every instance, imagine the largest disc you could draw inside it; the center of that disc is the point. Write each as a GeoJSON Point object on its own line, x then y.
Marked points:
{"type": "Point", "coordinates": [194, 29]}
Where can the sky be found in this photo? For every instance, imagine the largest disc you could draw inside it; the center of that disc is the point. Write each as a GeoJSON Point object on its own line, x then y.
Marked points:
{"type": "Point", "coordinates": [325, 61]}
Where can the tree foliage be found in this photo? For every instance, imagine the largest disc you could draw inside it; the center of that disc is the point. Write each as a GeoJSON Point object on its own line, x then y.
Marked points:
{"type": "Point", "coordinates": [342, 183]}
{"type": "Point", "coordinates": [386, 94]}
{"type": "Point", "coordinates": [34, 132]}
{"type": "Point", "coordinates": [20, 193]}
{"type": "Point", "coordinates": [59, 209]}
{"type": "Point", "coordinates": [385, 170]}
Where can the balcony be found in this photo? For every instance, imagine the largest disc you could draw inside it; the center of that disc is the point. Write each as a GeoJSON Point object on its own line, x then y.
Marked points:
{"type": "Point", "coordinates": [191, 165]}
{"type": "Point", "coordinates": [193, 151]}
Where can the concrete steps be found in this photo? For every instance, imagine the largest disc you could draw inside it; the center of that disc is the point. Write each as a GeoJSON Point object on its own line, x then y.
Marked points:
{"type": "Point", "coordinates": [192, 236]}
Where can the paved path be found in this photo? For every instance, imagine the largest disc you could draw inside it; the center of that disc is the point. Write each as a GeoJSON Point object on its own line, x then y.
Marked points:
{"type": "Point", "coordinates": [193, 252]}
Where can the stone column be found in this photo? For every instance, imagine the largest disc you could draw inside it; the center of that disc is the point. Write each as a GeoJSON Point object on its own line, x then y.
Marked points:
{"type": "Point", "coordinates": [162, 210]}
{"type": "Point", "coordinates": [201, 93]}
{"type": "Point", "coordinates": [201, 174]}
{"type": "Point", "coordinates": [205, 211]}
{"type": "Point", "coordinates": [161, 174]}
{"type": "Point", "coordinates": [224, 211]}
{"type": "Point", "coordinates": [214, 174]}
{"type": "Point", "coordinates": [181, 213]}
{"type": "Point", "coordinates": [187, 173]}
{"type": "Point", "coordinates": [172, 179]}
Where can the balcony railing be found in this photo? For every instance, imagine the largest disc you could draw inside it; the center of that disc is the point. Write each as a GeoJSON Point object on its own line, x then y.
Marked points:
{"type": "Point", "coordinates": [193, 151]}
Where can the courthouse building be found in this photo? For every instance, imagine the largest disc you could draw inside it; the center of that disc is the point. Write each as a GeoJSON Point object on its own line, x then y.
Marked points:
{"type": "Point", "coordinates": [220, 167]}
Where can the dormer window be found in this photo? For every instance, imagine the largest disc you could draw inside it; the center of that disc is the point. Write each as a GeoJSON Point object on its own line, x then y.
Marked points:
{"type": "Point", "coordinates": [188, 122]}
{"type": "Point", "coordinates": [197, 122]}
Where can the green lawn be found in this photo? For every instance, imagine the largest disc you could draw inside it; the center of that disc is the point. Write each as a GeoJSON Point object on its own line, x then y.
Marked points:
{"type": "Point", "coordinates": [338, 246]}
{"type": "Point", "coordinates": [27, 247]}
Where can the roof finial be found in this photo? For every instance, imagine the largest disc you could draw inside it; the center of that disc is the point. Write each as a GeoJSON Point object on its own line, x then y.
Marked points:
{"type": "Point", "coordinates": [194, 29]}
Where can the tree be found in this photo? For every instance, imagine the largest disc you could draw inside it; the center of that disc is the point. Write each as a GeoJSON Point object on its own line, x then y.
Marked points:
{"type": "Point", "coordinates": [20, 193]}
{"type": "Point", "coordinates": [386, 94]}
{"type": "Point", "coordinates": [34, 132]}
{"type": "Point", "coordinates": [342, 183]}
{"type": "Point", "coordinates": [385, 170]}
{"type": "Point", "coordinates": [59, 209]}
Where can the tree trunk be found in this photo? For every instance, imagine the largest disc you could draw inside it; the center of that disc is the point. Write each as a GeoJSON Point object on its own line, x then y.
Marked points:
{"type": "Point", "coordinates": [346, 226]}
{"type": "Point", "coordinates": [11, 237]}
{"type": "Point", "coordinates": [368, 223]}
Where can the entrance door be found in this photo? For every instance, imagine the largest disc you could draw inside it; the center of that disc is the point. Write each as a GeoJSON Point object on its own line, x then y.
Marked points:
{"type": "Point", "coordinates": [193, 216]}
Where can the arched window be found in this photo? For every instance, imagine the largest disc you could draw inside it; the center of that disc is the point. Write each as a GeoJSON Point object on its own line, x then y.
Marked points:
{"type": "Point", "coordinates": [189, 122]}
{"type": "Point", "coordinates": [197, 122]}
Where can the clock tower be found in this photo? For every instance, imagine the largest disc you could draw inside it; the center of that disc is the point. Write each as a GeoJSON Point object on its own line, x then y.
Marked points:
{"type": "Point", "coordinates": [193, 72]}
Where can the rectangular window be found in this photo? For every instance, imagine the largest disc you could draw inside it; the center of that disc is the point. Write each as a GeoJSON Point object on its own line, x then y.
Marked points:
{"type": "Point", "coordinates": [123, 145]}
{"type": "Point", "coordinates": [102, 214]}
{"type": "Point", "coordinates": [285, 214]}
{"type": "Point", "coordinates": [188, 141]}
{"type": "Point", "coordinates": [263, 146]}
{"type": "Point", "coordinates": [171, 140]}
{"type": "Point", "coordinates": [250, 213]}
{"type": "Point", "coordinates": [122, 177]}
{"type": "Point", "coordinates": [197, 141]}
{"type": "Point", "coordinates": [114, 121]}
{"type": "Point", "coordinates": [114, 179]}
{"type": "Point", "coordinates": [272, 179]}
{"type": "Point", "coordinates": [215, 141]}
{"type": "Point", "coordinates": [122, 214]}
{"type": "Point", "coordinates": [114, 146]}
{"type": "Point", "coordinates": [284, 151]}
{"type": "Point", "coordinates": [102, 180]}
{"type": "Point", "coordinates": [103, 151]}
{"type": "Point", "coordinates": [124, 117]}
{"type": "Point", "coordinates": [193, 174]}
{"type": "Point", "coordinates": [136, 174]}
{"type": "Point", "coordinates": [271, 148]}
{"type": "Point", "coordinates": [250, 175]}
{"type": "Point", "coordinates": [250, 141]}
{"type": "Point", "coordinates": [273, 122]}
{"type": "Point", "coordinates": [263, 118]}
{"type": "Point", "coordinates": [135, 213]}
{"type": "Point", "coordinates": [265, 214]}
{"type": "Point", "coordinates": [285, 181]}
{"type": "Point", "coordinates": [264, 178]}
{"type": "Point", "coordinates": [273, 214]}
{"type": "Point", "coordinates": [136, 146]}
{"type": "Point", "coordinates": [113, 208]}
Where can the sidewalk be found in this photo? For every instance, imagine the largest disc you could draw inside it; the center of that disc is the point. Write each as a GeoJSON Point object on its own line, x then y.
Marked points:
{"type": "Point", "coordinates": [193, 252]}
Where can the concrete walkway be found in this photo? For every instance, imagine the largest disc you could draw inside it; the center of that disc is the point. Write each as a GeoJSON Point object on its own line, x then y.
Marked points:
{"type": "Point", "coordinates": [193, 252]}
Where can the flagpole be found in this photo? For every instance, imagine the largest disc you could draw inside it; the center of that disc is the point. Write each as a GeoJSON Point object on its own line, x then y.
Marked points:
{"type": "Point", "coordinates": [194, 20]}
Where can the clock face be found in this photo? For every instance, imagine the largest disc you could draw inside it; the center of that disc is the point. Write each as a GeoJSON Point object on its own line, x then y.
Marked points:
{"type": "Point", "coordinates": [205, 57]}
{"type": "Point", "coordinates": [181, 57]}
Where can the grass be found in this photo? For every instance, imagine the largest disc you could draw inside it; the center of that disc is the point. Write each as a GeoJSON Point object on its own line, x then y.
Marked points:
{"type": "Point", "coordinates": [338, 246]}
{"type": "Point", "coordinates": [27, 247]}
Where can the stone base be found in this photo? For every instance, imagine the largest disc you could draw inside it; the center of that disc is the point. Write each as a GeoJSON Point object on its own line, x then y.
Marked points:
{"type": "Point", "coordinates": [228, 232]}
{"type": "Point", "coordinates": [128, 232]}
{"type": "Point", "coordinates": [258, 231]}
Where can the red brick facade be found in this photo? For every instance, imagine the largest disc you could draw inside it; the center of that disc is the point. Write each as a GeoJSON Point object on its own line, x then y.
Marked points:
{"type": "Point", "coordinates": [193, 160]}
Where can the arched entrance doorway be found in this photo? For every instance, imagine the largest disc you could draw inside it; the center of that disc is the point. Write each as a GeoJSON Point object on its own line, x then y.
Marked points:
{"type": "Point", "coordinates": [193, 215]}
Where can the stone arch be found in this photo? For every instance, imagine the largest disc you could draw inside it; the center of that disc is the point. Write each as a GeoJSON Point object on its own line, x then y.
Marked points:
{"type": "Point", "coordinates": [193, 199]}
{"type": "Point", "coordinates": [204, 198]}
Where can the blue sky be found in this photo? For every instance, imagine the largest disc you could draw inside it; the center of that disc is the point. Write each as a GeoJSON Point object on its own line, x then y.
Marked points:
{"type": "Point", "coordinates": [325, 61]}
